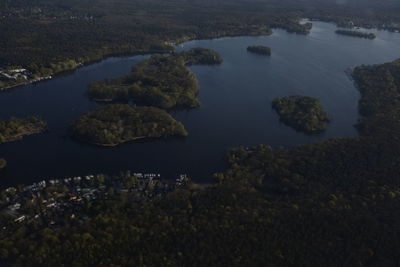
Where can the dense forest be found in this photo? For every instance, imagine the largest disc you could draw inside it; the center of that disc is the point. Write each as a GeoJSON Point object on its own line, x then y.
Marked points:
{"type": "Point", "coordinates": [47, 37]}
{"type": "Point", "coordinates": [259, 49]}
{"type": "Point", "coordinates": [114, 124]}
{"type": "Point", "coordinates": [163, 81]}
{"type": "Point", "coordinates": [356, 34]}
{"type": "Point", "coordinates": [16, 128]}
{"type": "Point", "coordinates": [332, 203]}
{"type": "Point", "coordinates": [303, 113]}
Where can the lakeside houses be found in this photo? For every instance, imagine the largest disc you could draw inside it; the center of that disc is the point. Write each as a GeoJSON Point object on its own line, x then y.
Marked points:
{"type": "Point", "coordinates": [15, 74]}
{"type": "Point", "coordinates": [17, 77]}
{"type": "Point", "coordinates": [54, 200]}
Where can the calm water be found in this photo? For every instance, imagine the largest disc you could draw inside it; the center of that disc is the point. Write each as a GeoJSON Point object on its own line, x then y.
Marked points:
{"type": "Point", "coordinates": [235, 109]}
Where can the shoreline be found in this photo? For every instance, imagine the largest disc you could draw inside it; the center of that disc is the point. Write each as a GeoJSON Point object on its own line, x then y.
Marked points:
{"type": "Point", "coordinates": [139, 138]}
{"type": "Point", "coordinates": [22, 135]}
{"type": "Point", "coordinates": [26, 83]}
{"type": "Point", "coordinates": [130, 54]}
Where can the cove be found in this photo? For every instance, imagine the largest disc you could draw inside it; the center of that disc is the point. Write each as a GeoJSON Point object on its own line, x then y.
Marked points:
{"type": "Point", "coordinates": [236, 106]}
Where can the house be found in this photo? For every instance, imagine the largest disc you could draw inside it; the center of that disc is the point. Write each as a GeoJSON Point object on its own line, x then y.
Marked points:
{"type": "Point", "coordinates": [16, 206]}
{"type": "Point", "coordinates": [20, 218]}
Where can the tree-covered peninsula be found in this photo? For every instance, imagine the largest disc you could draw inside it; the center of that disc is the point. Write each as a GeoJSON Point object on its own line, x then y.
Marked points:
{"type": "Point", "coordinates": [115, 124]}
{"type": "Point", "coordinates": [356, 34]}
{"type": "Point", "coordinates": [163, 81]}
{"type": "Point", "coordinates": [260, 49]}
{"type": "Point", "coordinates": [16, 128]}
{"type": "Point", "coordinates": [379, 104]}
{"type": "Point", "coordinates": [303, 113]}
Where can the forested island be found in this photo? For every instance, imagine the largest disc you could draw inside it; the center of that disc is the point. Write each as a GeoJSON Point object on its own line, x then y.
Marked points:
{"type": "Point", "coordinates": [115, 124]}
{"type": "Point", "coordinates": [16, 128]}
{"type": "Point", "coordinates": [356, 34]}
{"type": "Point", "coordinates": [303, 113]}
{"type": "Point", "coordinates": [163, 81]}
{"type": "Point", "coordinates": [259, 49]}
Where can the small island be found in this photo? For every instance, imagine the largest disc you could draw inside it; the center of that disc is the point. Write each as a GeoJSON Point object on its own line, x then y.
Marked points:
{"type": "Point", "coordinates": [259, 49]}
{"type": "Point", "coordinates": [115, 124]}
{"type": "Point", "coordinates": [356, 34]}
{"type": "Point", "coordinates": [163, 81]}
{"type": "Point", "coordinates": [303, 113]}
{"type": "Point", "coordinates": [3, 163]}
{"type": "Point", "coordinates": [201, 56]}
{"type": "Point", "coordinates": [16, 128]}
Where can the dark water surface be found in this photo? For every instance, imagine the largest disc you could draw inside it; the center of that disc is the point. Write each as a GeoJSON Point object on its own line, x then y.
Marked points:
{"type": "Point", "coordinates": [236, 106]}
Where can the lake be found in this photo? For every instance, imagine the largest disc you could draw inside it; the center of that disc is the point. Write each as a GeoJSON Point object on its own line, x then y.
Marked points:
{"type": "Point", "coordinates": [236, 106]}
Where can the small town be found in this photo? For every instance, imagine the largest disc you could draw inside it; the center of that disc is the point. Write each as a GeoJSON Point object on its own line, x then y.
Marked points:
{"type": "Point", "coordinates": [57, 202]}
